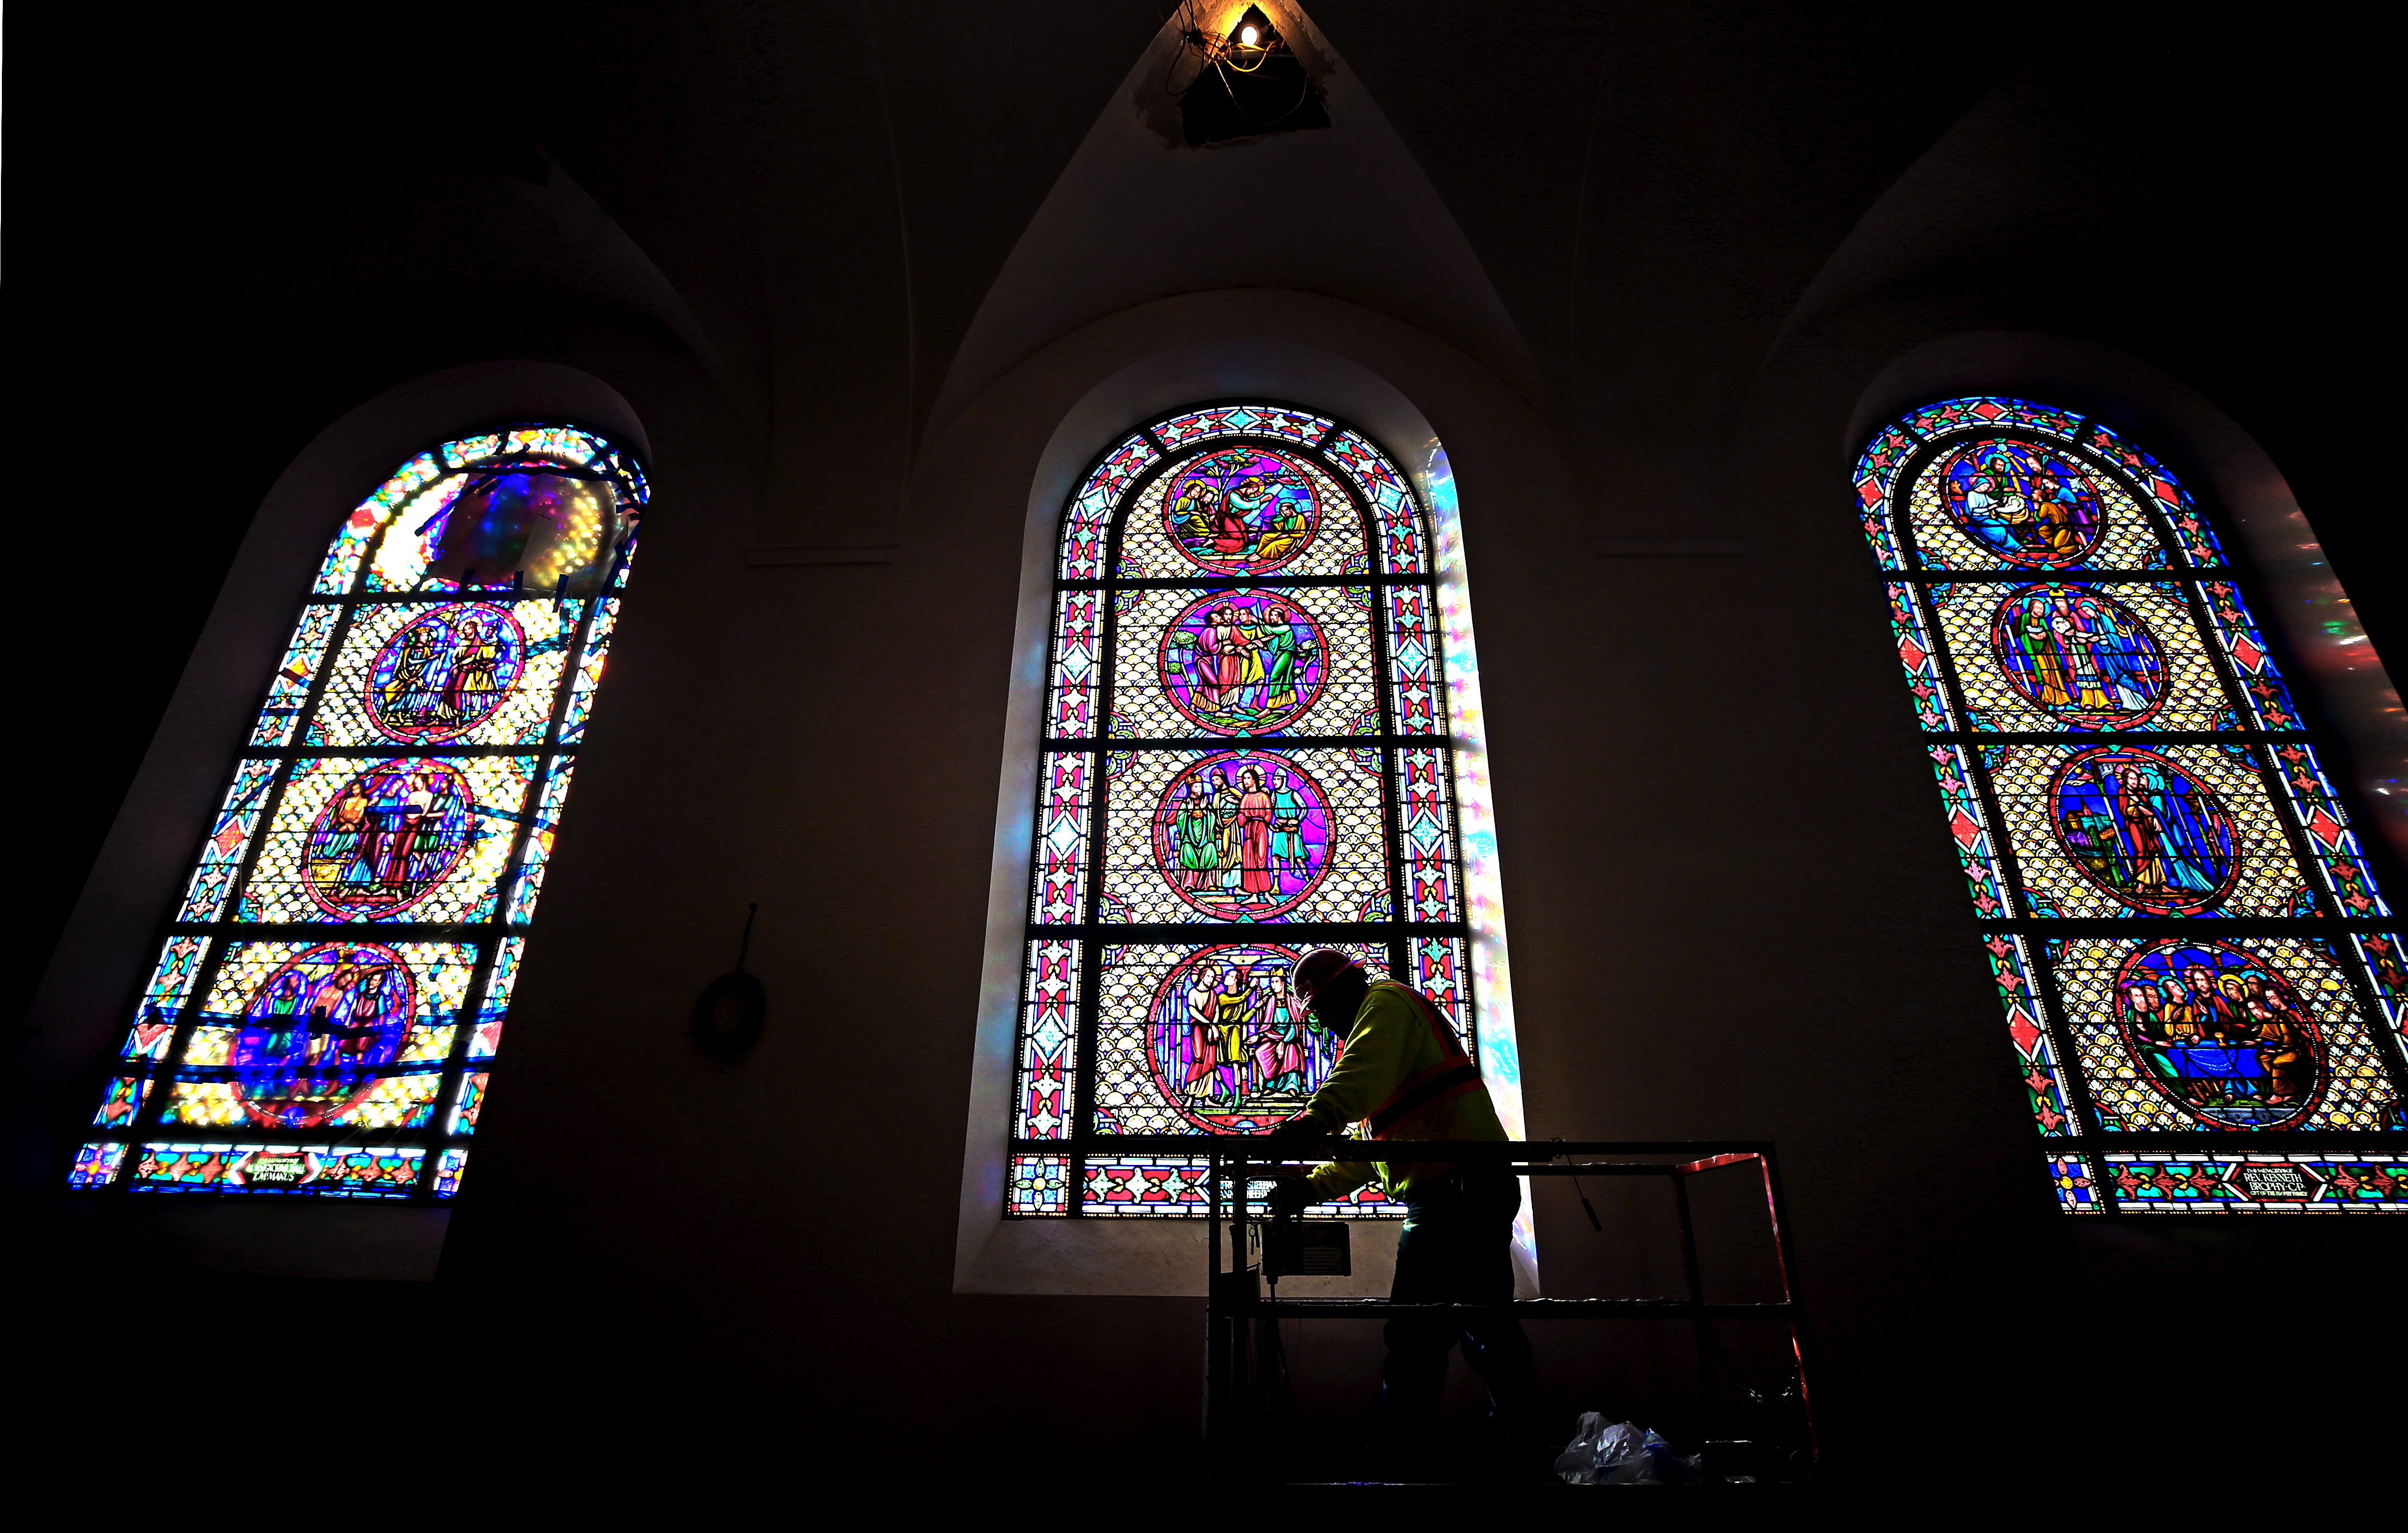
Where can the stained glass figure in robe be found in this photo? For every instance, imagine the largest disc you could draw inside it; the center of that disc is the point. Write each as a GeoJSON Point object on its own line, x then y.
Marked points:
{"type": "Point", "coordinates": [2225, 1037]}
{"type": "Point", "coordinates": [446, 672]}
{"type": "Point", "coordinates": [2140, 827]}
{"type": "Point", "coordinates": [1243, 835]}
{"type": "Point", "coordinates": [1240, 510]}
{"type": "Point", "coordinates": [389, 835]}
{"type": "Point", "coordinates": [2026, 504]}
{"type": "Point", "coordinates": [2080, 654]}
{"type": "Point", "coordinates": [317, 1029]}
{"type": "Point", "coordinates": [1228, 1042]}
{"type": "Point", "coordinates": [1244, 663]}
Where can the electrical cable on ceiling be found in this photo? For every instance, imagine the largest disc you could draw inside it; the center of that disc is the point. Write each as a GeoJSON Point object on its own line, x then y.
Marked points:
{"type": "Point", "coordinates": [1220, 57]}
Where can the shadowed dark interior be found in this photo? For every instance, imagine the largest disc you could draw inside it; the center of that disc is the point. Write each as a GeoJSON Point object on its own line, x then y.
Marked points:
{"type": "Point", "coordinates": [1643, 268]}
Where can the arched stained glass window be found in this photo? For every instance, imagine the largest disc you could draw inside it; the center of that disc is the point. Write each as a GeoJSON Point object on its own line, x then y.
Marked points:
{"type": "Point", "coordinates": [2202, 986]}
{"type": "Point", "coordinates": [330, 993]}
{"type": "Point", "coordinates": [1246, 755]}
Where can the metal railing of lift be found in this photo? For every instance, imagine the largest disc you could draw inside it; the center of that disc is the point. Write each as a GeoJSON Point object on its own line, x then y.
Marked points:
{"type": "Point", "coordinates": [1234, 1303]}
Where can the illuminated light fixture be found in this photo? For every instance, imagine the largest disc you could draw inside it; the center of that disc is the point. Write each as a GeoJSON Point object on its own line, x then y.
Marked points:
{"type": "Point", "coordinates": [1247, 45]}
{"type": "Point", "coordinates": [1247, 81]}
{"type": "Point", "coordinates": [1253, 34]}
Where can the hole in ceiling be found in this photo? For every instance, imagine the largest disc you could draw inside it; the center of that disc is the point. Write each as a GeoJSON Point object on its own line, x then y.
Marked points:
{"type": "Point", "coordinates": [1248, 84]}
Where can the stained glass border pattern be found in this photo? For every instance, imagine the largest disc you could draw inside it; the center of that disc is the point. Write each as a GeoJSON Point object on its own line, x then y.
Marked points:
{"type": "Point", "coordinates": [2251, 1183]}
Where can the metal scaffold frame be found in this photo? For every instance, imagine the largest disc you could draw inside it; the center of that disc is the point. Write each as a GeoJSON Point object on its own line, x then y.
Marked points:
{"type": "Point", "coordinates": [1236, 1307]}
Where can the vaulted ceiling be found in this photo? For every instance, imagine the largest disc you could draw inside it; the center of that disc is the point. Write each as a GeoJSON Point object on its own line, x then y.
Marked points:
{"type": "Point", "coordinates": [231, 227]}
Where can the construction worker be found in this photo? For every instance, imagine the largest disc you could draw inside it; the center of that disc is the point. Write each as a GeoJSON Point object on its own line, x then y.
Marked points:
{"type": "Point", "coordinates": [1402, 1074]}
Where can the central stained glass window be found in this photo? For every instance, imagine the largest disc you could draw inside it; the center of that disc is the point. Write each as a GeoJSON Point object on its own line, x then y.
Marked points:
{"type": "Point", "coordinates": [1246, 755]}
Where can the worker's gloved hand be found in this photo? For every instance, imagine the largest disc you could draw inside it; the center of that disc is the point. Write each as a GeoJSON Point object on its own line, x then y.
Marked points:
{"type": "Point", "coordinates": [1290, 1196]}
{"type": "Point", "coordinates": [1301, 1126]}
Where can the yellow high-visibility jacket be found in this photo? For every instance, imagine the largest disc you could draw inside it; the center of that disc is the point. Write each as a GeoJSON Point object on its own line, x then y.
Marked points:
{"type": "Point", "coordinates": [1400, 1075]}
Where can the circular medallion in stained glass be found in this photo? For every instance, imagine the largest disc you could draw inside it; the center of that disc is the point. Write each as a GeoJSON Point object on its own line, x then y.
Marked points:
{"type": "Point", "coordinates": [1244, 663]}
{"type": "Point", "coordinates": [2140, 826]}
{"type": "Point", "coordinates": [2220, 1033]}
{"type": "Point", "coordinates": [315, 1029]}
{"type": "Point", "coordinates": [1242, 836]}
{"type": "Point", "coordinates": [552, 531]}
{"type": "Point", "coordinates": [445, 672]}
{"type": "Point", "coordinates": [388, 837]}
{"type": "Point", "coordinates": [2080, 654]}
{"type": "Point", "coordinates": [2022, 502]}
{"type": "Point", "coordinates": [1240, 510]}
{"type": "Point", "coordinates": [1227, 1045]}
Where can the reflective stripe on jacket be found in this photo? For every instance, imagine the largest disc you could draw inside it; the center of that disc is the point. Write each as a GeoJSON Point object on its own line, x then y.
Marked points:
{"type": "Point", "coordinates": [1401, 1074]}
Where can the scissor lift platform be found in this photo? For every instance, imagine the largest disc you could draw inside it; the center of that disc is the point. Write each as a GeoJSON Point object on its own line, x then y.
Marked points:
{"type": "Point", "coordinates": [1236, 1306]}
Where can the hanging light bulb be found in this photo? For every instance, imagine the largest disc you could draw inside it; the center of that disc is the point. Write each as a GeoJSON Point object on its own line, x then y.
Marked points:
{"type": "Point", "coordinates": [1253, 34]}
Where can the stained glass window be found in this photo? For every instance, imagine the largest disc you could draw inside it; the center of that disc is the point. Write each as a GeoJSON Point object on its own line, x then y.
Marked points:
{"type": "Point", "coordinates": [331, 987]}
{"type": "Point", "coordinates": [1246, 755]}
{"type": "Point", "coordinates": [2203, 990]}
